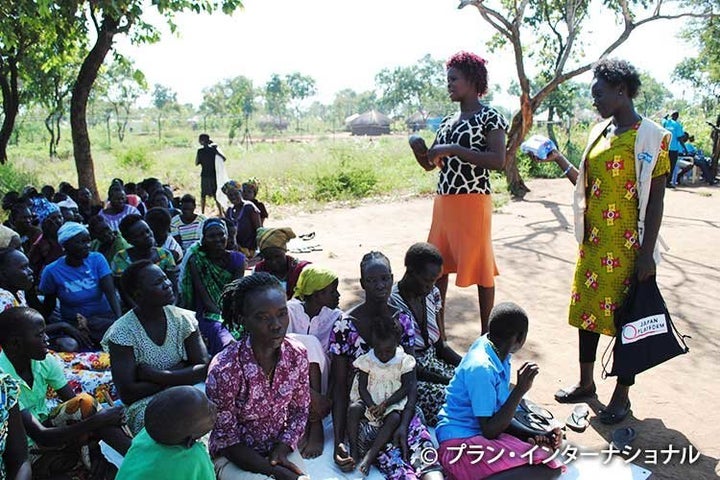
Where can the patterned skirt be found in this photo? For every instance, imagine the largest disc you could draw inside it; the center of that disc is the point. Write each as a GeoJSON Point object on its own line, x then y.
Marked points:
{"type": "Point", "coordinates": [431, 396]}
{"type": "Point", "coordinates": [390, 461]}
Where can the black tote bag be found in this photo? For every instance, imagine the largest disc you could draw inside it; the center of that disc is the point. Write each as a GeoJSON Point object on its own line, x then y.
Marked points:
{"type": "Point", "coordinates": [646, 335]}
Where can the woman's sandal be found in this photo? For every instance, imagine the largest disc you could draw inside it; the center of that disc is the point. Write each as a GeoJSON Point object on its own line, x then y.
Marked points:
{"type": "Point", "coordinates": [574, 395]}
{"type": "Point", "coordinates": [612, 418]}
{"type": "Point", "coordinates": [578, 419]}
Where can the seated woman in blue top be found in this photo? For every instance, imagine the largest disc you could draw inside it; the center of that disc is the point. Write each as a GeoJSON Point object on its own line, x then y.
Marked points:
{"type": "Point", "coordinates": [479, 407]}
{"type": "Point", "coordinates": [83, 283]}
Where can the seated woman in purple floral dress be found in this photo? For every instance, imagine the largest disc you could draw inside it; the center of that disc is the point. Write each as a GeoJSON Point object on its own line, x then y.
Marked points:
{"type": "Point", "coordinates": [350, 339]}
{"type": "Point", "coordinates": [260, 386]}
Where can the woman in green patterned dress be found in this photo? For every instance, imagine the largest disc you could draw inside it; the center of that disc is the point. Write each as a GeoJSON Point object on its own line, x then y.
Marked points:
{"type": "Point", "coordinates": [618, 209]}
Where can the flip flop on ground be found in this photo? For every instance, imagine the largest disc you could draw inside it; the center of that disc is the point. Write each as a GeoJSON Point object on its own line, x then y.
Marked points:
{"type": "Point", "coordinates": [623, 437]}
{"type": "Point", "coordinates": [578, 419]}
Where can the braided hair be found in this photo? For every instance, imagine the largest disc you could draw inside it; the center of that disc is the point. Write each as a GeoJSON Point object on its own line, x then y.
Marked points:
{"type": "Point", "coordinates": [234, 297]}
{"type": "Point", "coordinates": [371, 257]}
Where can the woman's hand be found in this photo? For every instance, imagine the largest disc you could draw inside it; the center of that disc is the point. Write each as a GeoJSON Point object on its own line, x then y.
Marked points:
{"type": "Point", "coordinates": [553, 156]}
{"type": "Point", "coordinates": [147, 373]}
{"type": "Point", "coordinates": [343, 459]}
{"type": "Point", "coordinates": [525, 376]}
{"type": "Point", "coordinates": [279, 458]}
{"type": "Point", "coordinates": [438, 153]}
{"type": "Point", "coordinates": [109, 417]}
{"type": "Point", "coordinates": [551, 440]}
{"type": "Point", "coordinates": [82, 336]}
{"type": "Point", "coordinates": [378, 411]}
{"type": "Point", "coordinates": [417, 144]}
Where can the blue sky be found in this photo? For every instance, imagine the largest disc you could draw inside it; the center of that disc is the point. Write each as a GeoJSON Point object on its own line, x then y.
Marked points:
{"type": "Point", "coordinates": [344, 44]}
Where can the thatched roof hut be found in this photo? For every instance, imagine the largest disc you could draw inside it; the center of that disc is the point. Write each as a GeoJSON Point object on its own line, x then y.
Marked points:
{"type": "Point", "coordinates": [371, 123]}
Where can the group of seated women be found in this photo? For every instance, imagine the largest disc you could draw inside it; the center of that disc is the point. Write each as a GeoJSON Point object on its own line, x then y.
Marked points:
{"type": "Point", "coordinates": [276, 354]}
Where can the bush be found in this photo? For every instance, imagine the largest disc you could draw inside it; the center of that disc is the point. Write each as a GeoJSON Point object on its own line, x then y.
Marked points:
{"type": "Point", "coordinates": [347, 183]}
{"type": "Point", "coordinates": [134, 157]}
{"type": "Point", "coordinates": [12, 178]}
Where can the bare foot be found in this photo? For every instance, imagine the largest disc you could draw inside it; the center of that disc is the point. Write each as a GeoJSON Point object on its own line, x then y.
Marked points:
{"type": "Point", "coordinates": [343, 460]}
{"type": "Point", "coordinates": [364, 466]}
{"type": "Point", "coordinates": [302, 443]}
{"type": "Point", "coordinates": [315, 440]}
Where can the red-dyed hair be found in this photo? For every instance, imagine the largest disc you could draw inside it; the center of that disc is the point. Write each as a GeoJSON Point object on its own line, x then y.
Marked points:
{"type": "Point", "coordinates": [472, 67]}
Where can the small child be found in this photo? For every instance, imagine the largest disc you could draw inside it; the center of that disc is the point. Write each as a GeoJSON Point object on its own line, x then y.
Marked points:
{"type": "Point", "coordinates": [167, 448]}
{"type": "Point", "coordinates": [158, 219]}
{"type": "Point", "coordinates": [379, 390]}
{"type": "Point", "coordinates": [187, 227]}
{"type": "Point", "coordinates": [58, 439]}
{"type": "Point", "coordinates": [249, 193]}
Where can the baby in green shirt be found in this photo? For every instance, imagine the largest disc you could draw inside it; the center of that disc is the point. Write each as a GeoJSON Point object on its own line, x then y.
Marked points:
{"type": "Point", "coordinates": [167, 448]}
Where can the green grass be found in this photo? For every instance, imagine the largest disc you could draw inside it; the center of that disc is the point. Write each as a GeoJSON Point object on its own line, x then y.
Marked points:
{"type": "Point", "coordinates": [308, 170]}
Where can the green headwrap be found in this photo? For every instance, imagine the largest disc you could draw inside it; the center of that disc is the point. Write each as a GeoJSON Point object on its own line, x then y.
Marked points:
{"type": "Point", "coordinates": [313, 279]}
{"type": "Point", "coordinates": [274, 237]}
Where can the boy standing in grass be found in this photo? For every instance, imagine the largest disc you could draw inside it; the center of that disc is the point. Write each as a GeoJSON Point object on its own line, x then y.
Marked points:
{"type": "Point", "coordinates": [206, 158]}
{"type": "Point", "coordinates": [58, 439]}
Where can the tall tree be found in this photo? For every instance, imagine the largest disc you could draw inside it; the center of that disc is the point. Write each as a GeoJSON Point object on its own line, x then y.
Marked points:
{"type": "Point", "coordinates": [418, 87]}
{"type": "Point", "coordinates": [30, 34]}
{"type": "Point", "coordinates": [164, 100]}
{"type": "Point", "coordinates": [110, 18]}
{"type": "Point", "coordinates": [123, 85]}
{"type": "Point", "coordinates": [557, 28]}
{"type": "Point", "coordinates": [277, 94]}
{"type": "Point", "coordinates": [299, 87]}
{"type": "Point", "coordinates": [652, 95]}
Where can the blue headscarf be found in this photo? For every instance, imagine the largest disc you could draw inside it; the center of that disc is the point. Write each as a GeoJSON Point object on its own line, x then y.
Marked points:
{"type": "Point", "coordinates": [214, 222]}
{"type": "Point", "coordinates": [70, 230]}
{"type": "Point", "coordinates": [43, 208]}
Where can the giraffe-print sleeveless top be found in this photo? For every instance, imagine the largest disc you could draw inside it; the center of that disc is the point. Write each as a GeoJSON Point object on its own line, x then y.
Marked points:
{"type": "Point", "coordinates": [456, 176]}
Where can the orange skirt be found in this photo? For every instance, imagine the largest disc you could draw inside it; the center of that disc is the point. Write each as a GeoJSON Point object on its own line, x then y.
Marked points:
{"type": "Point", "coordinates": [461, 229]}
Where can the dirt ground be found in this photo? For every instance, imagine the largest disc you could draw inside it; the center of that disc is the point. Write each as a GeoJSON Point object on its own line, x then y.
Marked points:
{"type": "Point", "coordinates": [674, 404]}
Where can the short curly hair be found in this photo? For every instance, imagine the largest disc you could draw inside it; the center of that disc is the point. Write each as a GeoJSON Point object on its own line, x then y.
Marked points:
{"type": "Point", "coordinates": [472, 67]}
{"type": "Point", "coordinates": [127, 223]}
{"type": "Point", "coordinates": [421, 254]}
{"type": "Point", "coordinates": [618, 72]}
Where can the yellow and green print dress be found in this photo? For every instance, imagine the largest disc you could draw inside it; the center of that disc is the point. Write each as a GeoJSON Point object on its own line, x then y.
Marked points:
{"type": "Point", "coordinates": [606, 259]}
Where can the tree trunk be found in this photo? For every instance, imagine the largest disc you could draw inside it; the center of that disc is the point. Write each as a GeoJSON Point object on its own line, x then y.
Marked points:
{"type": "Point", "coordinates": [51, 130]}
{"type": "Point", "coordinates": [519, 127]}
{"type": "Point", "coordinates": [550, 124]}
{"type": "Point", "coordinates": [58, 119]}
{"type": "Point", "coordinates": [78, 104]}
{"type": "Point", "coordinates": [11, 102]}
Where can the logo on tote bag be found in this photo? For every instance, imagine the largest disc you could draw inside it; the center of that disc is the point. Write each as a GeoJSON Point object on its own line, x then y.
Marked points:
{"type": "Point", "coordinates": [645, 327]}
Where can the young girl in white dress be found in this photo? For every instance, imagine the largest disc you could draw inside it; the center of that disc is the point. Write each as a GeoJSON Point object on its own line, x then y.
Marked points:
{"type": "Point", "coordinates": [379, 391]}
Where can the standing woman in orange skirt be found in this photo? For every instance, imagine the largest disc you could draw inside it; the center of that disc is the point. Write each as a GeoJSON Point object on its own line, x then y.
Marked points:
{"type": "Point", "coordinates": [468, 144]}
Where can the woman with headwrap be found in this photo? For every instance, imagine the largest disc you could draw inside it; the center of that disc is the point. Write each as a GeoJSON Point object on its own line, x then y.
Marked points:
{"type": "Point", "coordinates": [9, 238]}
{"type": "Point", "coordinates": [246, 217]}
{"type": "Point", "coordinates": [46, 249]}
{"type": "Point", "coordinates": [209, 267]}
{"type": "Point", "coordinates": [272, 243]}
{"type": "Point", "coordinates": [312, 314]}
{"type": "Point", "coordinates": [83, 283]}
